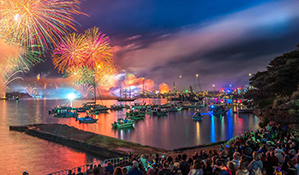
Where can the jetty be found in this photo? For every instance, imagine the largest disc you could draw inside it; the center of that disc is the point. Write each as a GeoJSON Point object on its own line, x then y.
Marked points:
{"type": "Point", "coordinates": [103, 146]}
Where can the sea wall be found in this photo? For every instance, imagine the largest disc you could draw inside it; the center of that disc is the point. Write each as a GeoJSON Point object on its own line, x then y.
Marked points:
{"type": "Point", "coordinates": [102, 152]}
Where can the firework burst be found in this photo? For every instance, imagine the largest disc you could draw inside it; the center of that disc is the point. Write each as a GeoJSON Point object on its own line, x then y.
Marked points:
{"type": "Point", "coordinates": [85, 90]}
{"type": "Point", "coordinates": [42, 21]}
{"type": "Point", "coordinates": [99, 50]}
{"type": "Point", "coordinates": [70, 52]}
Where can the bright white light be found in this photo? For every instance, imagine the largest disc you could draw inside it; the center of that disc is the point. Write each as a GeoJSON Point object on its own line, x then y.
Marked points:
{"type": "Point", "coordinates": [71, 96]}
{"type": "Point", "coordinates": [17, 16]}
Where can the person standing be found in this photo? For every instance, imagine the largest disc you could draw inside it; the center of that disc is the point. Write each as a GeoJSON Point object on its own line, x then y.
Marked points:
{"type": "Point", "coordinates": [184, 165]}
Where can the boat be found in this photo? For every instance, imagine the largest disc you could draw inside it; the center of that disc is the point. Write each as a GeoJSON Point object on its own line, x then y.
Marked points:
{"type": "Point", "coordinates": [123, 123]}
{"type": "Point", "coordinates": [174, 109]}
{"type": "Point", "coordinates": [89, 105]}
{"type": "Point", "coordinates": [197, 116]}
{"type": "Point", "coordinates": [126, 99]}
{"type": "Point", "coordinates": [135, 113]}
{"type": "Point", "coordinates": [87, 119]}
{"type": "Point", "coordinates": [116, 107]}
{"type": "Point", "coordinates": [81, 110]}
{"type": "Point", "coordinates": [150, 111]}
{"type": "Point", "coordinates": [218, 110]}
{"type": "Point", "coordinates": [98, 109]}
{"type": "Point", "coordinates": [159, 113]}
{"type": "Point", "coordinates": [65, 112]}
{"type": "Point", "coordinates": [3, 98]}
{"type": "Point", "coordinates": [136, 117]}
{"type": "Point", "coordinates": [61, 109]}
{"type": "Point", "coordinates": [248, 111]}
{"type": "Point", "coordinates": [201, 105]}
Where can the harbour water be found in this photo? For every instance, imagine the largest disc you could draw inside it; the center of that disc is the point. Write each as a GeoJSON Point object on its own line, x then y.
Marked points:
{"type": "Point", "coordinates": [20, 152]}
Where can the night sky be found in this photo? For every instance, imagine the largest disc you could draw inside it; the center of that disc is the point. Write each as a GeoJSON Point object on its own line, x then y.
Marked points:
{"type": "Point", "coordinates": [222, 41]}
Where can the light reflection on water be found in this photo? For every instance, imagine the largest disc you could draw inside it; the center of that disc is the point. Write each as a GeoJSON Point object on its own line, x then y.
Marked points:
{"type": "Point", "coordinates": [21, 152]}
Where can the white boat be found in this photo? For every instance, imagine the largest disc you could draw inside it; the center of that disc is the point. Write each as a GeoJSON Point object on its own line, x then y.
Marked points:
{"type": "Point", "coordinates": [197, 116]}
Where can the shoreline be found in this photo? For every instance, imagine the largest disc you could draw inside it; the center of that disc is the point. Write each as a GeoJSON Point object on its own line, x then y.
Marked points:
{"type": "Point", "coordinates": [103, 146]}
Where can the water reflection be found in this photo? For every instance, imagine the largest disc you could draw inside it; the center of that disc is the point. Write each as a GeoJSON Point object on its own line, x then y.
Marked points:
{"type": "Point", "coordinates": [173, 131]}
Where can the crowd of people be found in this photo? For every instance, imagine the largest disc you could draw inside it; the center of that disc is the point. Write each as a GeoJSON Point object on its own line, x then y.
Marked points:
{"type": "Point", "coordinates": [270, 150]}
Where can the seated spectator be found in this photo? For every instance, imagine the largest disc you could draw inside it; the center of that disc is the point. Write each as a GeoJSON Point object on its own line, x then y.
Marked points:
{"type": "Point", "coordinates": [256, 165]}
{"type": "Point", "coordinates": [69, 172]}
{"type": "Point", "coordinates": [124, 171]}
{"type": "Point", "coordinates": [165, 170]}
{"type": "Point", "coordinates": [79, 171]}
{"type": "Point", "coordinates": [242, 170]}
{"type": "Point", "coordinates": [135, 170]}
{"type": "Point", "coordinates": [117, 171]}
{"type": "Point", "coordinates": [109, 168]}
{"type": "Point", "coordinates": [236, 160]}
{"type": "Point", "coordinates": [197, 168]}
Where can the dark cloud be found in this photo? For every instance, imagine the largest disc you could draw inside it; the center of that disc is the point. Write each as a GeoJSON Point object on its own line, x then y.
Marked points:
{"type": "Point", "coordinates": [222, 41]}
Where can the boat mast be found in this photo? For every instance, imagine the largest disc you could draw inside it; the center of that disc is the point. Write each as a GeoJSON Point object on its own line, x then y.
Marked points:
{"type": "Point", "coordinates": [94, 88]}
{"type": "Point", "coordinates": [143, 91]}
{"type": "Point", "coordinates": [120, 91]}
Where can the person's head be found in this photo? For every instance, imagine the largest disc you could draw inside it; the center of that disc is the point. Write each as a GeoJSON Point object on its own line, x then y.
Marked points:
{"type": "Point", "coordinates": [256, 156]}
{"type": "Point", "coordinates": [236, 156]}
{"type": "Point", "coordinates": [184, 157]}
{"type": "Point", "coordinates": [90, 166]}
{"type": "Point", "coordinates": [26, 173]}
{"type": "Point", "coordinates": [197, 164]}
{"type": "Point", "coordinates": [109, 164]}
{"type": "Point", "coordinates": [208, 162]}
{"type": "Point", "coordinates": [231, 166]}
{"type": "Point", "coordinates": [79, 170]}
{"type": "Point", "coordinates": [117, 171]}
{"type": "Point", "coordinates": [169, 159]}
{"type": "Point", "coordinates": [218, 162]}
{"type": "Point", "coordinates": [268, 154]}
{"type": "Point", "coordinates": [242, 165]}
{"type": "Point", "coordinates": [142, 156]}
{"type": "Point", "coordinates": [135, 164]}
{"type": "Point", "coordinates": [69, 171]}
{"type": "Point", "coordinates": [124, 171]}
{"type": "Point", "coordinates": [165, 164]}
